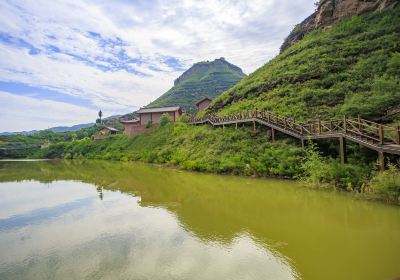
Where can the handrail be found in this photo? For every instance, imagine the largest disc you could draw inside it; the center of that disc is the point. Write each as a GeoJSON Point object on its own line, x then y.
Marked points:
{"type": "Point", "coordinates": [369, 131]}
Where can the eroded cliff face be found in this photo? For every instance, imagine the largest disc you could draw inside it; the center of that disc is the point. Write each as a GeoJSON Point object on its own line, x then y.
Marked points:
{"type": "Point", "coordinates": [332, 11]}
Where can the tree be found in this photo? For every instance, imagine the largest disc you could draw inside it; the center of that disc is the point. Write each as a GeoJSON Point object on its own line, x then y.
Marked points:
{"type": "Point", "coordinates": [100, 115]}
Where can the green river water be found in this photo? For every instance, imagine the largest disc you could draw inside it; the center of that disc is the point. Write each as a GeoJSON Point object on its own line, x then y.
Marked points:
{"type": "Point", "coordinates": [109, 220]}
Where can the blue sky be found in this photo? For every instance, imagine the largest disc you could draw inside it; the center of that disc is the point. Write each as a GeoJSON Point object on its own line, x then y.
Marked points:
{"type": "Point", "coordinates": [62, 61]}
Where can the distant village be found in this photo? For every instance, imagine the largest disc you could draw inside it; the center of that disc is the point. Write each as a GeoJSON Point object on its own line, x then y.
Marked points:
{"type": "Point", "coordinates": [146, 116]}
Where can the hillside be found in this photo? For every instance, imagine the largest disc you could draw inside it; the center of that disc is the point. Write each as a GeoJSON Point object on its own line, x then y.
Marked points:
{"type": "Point", "coordinates": [53, 129]}
{"type": "Point", "coordinates": [203, 79]}
{"type": "Point", "coordinates": [352, 67]}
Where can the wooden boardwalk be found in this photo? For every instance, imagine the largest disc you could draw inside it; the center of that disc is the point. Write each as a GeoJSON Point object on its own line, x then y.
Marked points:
{"type": "Point", "coordinates": [378, 137]}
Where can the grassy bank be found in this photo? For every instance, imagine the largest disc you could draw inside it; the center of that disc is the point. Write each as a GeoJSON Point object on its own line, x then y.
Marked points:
{"type": "Point", "coordinates": [241, 152]}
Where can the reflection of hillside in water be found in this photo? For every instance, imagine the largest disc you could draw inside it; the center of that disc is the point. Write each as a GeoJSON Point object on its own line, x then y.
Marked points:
{"type": "Point", "coordinates": [308, 227]}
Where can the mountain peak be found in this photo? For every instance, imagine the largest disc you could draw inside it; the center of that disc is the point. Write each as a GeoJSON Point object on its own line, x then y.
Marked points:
{"type": "Point", "coordinates": [205, 65]}
{"type": "Point", "coordinates": [203, 79]}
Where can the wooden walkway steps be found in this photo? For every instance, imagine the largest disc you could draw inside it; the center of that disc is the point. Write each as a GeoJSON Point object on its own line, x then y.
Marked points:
{"type": "Point", "coordinates": [378, 137]}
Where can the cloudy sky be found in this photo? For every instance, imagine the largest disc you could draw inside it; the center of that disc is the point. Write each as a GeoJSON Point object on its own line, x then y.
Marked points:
{"type": "Point", "coordinates": [61, 60]}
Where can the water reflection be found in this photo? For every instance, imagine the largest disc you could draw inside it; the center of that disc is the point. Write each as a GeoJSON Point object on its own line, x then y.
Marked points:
{"type": "Point", "coordinates": [111, 220]}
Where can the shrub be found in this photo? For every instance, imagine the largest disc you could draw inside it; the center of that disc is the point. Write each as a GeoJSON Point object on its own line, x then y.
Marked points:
{"type": "Point", "coordinates": [387, 183]}
{"type": "Point", "coordinates": [165, 119]}
{"type": "Point", "coordinates": [314, 167]}
{"type": "Point", "coordinates": [149, 124]}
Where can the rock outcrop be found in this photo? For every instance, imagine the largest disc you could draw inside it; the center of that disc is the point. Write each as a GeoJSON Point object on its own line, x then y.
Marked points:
{"type": "Point", "coordinates": [331, 11]}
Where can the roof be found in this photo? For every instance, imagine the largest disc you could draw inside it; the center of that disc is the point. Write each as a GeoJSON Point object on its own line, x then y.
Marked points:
{"type": "Point", "coordinates": [158, 110]}
{"type": "Point", "coordinates": [203, 99]}
{"type": "Point", "coordinates": [110, 128]}
{"type": "Point", "coordinates": [135, 120]}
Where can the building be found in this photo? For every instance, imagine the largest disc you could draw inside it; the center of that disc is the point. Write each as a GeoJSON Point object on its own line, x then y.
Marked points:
{"type": "Point", "coordinates": [104, 132]}
{"type": "Point", "coordinates": [154, 114]}
{"type": "Point", "coordinates": [145, 115]}
{"type": "Point", "coordinates": [108, 130]}
{"type": "Point", "coordinates": [131, 127]}
{"type": "Point", "coordinates": [203, 104]}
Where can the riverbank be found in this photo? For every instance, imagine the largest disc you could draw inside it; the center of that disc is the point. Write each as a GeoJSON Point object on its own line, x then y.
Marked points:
{"type": "Point", "coordinates": [238, 152]}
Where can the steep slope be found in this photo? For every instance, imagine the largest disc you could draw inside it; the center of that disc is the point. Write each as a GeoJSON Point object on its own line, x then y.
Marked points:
{"type": "Point", "coordinates": [330, 12]}
{"type": "Point", "coordinates": [203, 79]}
{"type": "Point", "coordinates": [351, 68]}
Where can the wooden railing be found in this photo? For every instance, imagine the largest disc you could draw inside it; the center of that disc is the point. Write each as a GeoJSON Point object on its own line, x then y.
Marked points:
{"type": "Point", "coordinates": [362, 129]}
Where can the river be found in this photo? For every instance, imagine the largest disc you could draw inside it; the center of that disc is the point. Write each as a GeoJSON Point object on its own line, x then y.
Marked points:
{"type": "Point", "coordinates": [111, 220]}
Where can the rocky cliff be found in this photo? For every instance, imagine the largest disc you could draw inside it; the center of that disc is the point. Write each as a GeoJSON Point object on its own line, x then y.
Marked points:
{"type": "Point", "coordinates": [331, 11]}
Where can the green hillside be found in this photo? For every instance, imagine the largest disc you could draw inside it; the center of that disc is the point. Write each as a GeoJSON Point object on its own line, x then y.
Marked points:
{"type": "Point", "coordinates": [352, 68]}
{"type": "Point", "coordinates": [203, 79]}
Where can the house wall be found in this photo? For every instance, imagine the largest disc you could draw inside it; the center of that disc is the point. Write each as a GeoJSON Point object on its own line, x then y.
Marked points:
{"type": "Point", "coordinates": [144, 118]}
{"type": "Point", "coordinates": [131, 128]}
{"type": "Point", "coordinates": [203, 105]}
{"type": "Point", "coordinates": [155, 117]}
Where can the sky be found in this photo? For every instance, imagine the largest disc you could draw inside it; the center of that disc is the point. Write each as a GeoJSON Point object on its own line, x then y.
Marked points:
{"type": "Point", "coordinates": [62, 61]}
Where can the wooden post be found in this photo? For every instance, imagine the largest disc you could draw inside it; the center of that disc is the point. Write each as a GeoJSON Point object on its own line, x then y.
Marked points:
{"type": "Point", "coordinates": [223, 126]}
{"type": "Point", "coordinates": [319, 126]}
{"type": "Point", "coordinates": [342, 150]}
{"type": "Point", "coordinates": [301, 130]}
{"type": "Point", "coordinates": [302, 142]}
{"type": "Point", "coordinates": [381, 161]}
{"type": "Point", "coordinates": [398, 135]}
{"type": "Point", "coordinates": [254, 126]}
{"type": "Point", "coordinates": [272, 134]}
{"type": "Point", "coordinates": [236, 125]}
{"type": "Point", "coordinates": [381, 134]}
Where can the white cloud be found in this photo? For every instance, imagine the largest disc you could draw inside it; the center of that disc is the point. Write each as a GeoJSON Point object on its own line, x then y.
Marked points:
{"type": "Point", "coordinates": [246, 33]}
{"type": "Point", "coordinates": [26, 113]}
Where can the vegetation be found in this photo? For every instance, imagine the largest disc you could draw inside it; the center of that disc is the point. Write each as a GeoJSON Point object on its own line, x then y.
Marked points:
{"type": "Point", "coordinates": [388, 183]}
{"type": "Point", "coordinates": [235, 151]}
{"type": "Point", "coordinates": [165, 119]}
{"type": "Point", "coordinates": [203, 79]}
{"type": "Point", "coordinates": [352, 69]}
{"type": "Point", "coordinates": [25, 145]}
{"type": "Point", "coordinates": [197, 148]}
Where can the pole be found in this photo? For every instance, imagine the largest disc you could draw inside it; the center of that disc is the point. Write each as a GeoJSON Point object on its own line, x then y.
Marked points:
{"type": "Point", "coordinates": [381, 161]}
{"type": "Point", "coordinates": [342, 150]}
{"type": "Point", "coordinates": [381, 134]}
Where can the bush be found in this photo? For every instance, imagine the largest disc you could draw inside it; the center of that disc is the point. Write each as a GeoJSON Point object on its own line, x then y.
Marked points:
{"type": "Point", "coordinates": [165, 119]}
{"type": "Point", "coordinates": [319, 171]}
{"type": "Point", "coordinates": [149, 124]}
{"type": "Point", "coordinates": [387, 183]}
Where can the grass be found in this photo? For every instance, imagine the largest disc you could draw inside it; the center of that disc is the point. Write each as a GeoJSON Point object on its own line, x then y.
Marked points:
{"type": "Point", "coordinates": [353, 69]}
{"type": "Point", "coordinates": [231, 151]}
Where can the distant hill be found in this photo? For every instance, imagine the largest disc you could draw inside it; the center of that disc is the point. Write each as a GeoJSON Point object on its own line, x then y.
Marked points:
{"type": "Point", "coordinates": [203, 79]}
{"type": "Point", "coordinates": [53, 129]}
{"type": "Point", "coordinates": [351, 67]}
